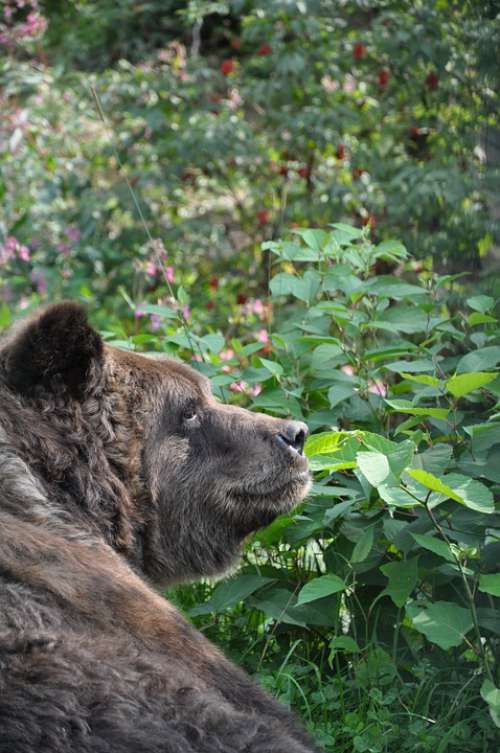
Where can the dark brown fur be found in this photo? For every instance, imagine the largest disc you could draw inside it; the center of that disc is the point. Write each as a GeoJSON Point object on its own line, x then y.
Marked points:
{"type": "Point", "coordinates": [116, 469]}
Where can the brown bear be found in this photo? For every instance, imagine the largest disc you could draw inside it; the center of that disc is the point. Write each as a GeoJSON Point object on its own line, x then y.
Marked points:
{"type": "Point", "coordinates": [117, 470]}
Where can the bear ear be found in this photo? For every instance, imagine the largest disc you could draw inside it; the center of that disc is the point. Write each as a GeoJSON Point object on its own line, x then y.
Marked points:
{"type": "Point", "coordinates": [54, 351]}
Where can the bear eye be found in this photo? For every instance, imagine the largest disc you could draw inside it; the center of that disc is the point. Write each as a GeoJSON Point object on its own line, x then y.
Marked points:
{"type": "Point", "coordinates": [189, 414]}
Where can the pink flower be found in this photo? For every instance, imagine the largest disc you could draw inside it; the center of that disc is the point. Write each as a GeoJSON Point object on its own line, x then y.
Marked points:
{"type": "Point", "coordinates": [258, 307]}
{"type": "Point", "coordinates": [23, 253]}
{"type": "Point", "coordinates": [226, 369]}
{"type": "Point", "coordinates": [155, 322]}
{"type": "Point", "coordinates": [73, 233]}
{"type": "Point", "coordinates": [377, 387]}
{"type": "Point", "coordinates": [151, 269]}
{"type": "Point", "coordinates": [262, 336]}
{"type": "Point", "coordinates": [138, 313]}
{"type": "Point", "coordinates": [64, 248]}
{"type": "Point", "coordinates": [186, 312]}
{"type": "Point", "coordinates": [256, 390]}
{"type": "Point", "coordinates": [168, 273]}
{"type": "Point", "coordinates": [226, 355]}
{"type": "Point", "coordinates": [240, 386]}
{"type": "Point", "coordinates": [347, 369]}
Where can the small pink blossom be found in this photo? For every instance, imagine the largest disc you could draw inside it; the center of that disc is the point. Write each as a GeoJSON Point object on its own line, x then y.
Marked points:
{"type": "Point", "coordinates": [256, 390]}
{"type": "Point", "coordinates": [347, 369]}
{"type": "Point", "coordinates": [377, 387]}
{"type": "Point", "coordinates": [73, 233]}
{"type": "Point", "coordinates": [23, 253]}
{"type": "Point", "coordinates": [64, 248]}
{"type": "Point", "coordinates": [196, 357]}
{"type": "Point", "coordinates": [168, 273]}
{"type": "Point", "coordinates": [262, 336]}
{"type": "Point", "coordinates": [226, 369]}
{"type": "Point", "coordinates": [138, 313]}
{"type": "Point", "coordinates": [155, 322]}
{"type": "Point", "coordinates": [240, 386]}
{"type": "Point", "coordinates": [151, 269]}
{"type": "Point", "coordinates": [186, 312]}
{"type": "Point", "coordinates": [258, 307]}
{"type": "Point", "coordinates": [226, 355]}
{"type": "Point", "coordinates": [39, 280]}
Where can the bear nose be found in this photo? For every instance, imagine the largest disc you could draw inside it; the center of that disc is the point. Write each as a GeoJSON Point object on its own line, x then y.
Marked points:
{"type": "Point", "coordinates": [294, 434]}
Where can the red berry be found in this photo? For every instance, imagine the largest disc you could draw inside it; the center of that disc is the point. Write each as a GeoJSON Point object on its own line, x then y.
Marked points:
{"type": "Point", "coordinates": [432, 81]}
{"type": "Point", "coordinates": [214, 282]}
{"type": "Point", "coordinates": [241, 299]}
{"type": "Point", "coordinates": [209, 306]}
{"type": "Point", "coordinates": [283, 171]}
{"type": "Point", "coordinates": [227, 67]}
{"type": "Point", "coordinates": [340, 152]}
{"type": "Point", "coordinates": [264, 49]}
{"type": "Point", "coordinates": [383, 78]}
{"type": "Point", "coordinates": [358, 51]}
{"type": "Point", "coordinates": [414, 132]}
{"type": "Point", "coordinates": [236, 43]}
{"type": "Point", "coordinates": [263, 217]}
{"type": "Point", "coordinates": [304, 171]}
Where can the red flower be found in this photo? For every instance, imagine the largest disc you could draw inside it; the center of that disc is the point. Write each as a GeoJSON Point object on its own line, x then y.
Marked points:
{"type": "Point", "coordinates": [227, 67]}
{"type": "Point", "coordinates": [241, 299]}
{"type": "Point", "coordinates": [414, 132]}
{"type": "Point", "coordinates": [236, 43]}
{"type": "Point", "coordinates": [264, 49]}
{"type": "Point", "coordinates": [340, 152]}
{"type": "Point", "coordinates": [209, 306]}
{"type": "Point", "coordinates": [283, 171]}
{"type": "Point", "coordinates": [358, 51]}
{"type": "Point", "coordinates": [432, 81]}
{"type": "Point", "coordinates": [214, 282]}
{"type": "Point", "coordinates": [383, 78]}
{"type": "Point", "coordinates": [263, 217]}
{"type": "Point", "coordinates": [304, 171]}
{"type": "Point", "coordinates": [371, 220]}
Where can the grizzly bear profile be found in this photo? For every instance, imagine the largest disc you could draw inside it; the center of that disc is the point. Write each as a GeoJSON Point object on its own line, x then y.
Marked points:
{"type": "Point", "coordinates": [117, 471]}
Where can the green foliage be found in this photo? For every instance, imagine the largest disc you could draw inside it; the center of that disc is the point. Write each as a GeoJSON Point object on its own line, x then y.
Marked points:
{"type": "Point", "coordinates": [243, 128]}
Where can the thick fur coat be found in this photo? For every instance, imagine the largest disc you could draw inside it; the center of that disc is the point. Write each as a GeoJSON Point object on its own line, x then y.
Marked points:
{"type": "Point", "coordinates": [117, 471]}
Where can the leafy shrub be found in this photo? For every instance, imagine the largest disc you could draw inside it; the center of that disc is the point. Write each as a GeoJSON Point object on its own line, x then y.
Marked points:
{"type": "Point", "coordinates": [388, 576]}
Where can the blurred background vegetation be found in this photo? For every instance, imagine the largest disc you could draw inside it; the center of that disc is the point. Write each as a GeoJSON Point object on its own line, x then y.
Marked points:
{"type": "Point", "coordinates": [152, 156]}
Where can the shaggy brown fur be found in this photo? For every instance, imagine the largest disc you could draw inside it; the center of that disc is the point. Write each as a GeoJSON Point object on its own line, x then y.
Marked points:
{"type": "Point", "coordinates": [115, 469]}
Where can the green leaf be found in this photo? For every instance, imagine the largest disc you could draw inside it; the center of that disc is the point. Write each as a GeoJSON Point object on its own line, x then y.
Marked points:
{"type": "Point", "coordinates": [490, 584]}
{"type": "Point", "coordinates": [491, 695]}
{"type": "Point", "coordinates": [402, 578]}
{"type": "Point", "coordinates": [323, 356]}
{"type": "Point", "coordinates": [396, 496]}
{"type": "Point", "coordinates": [476, 319]}
{"type": "Point", "coordinates": [343, 643]}
{"type": "Point", "coordinates": [437, 546]}
{"type": "Point", "coordinates": [426, 379]}
{"type": "Point", "coordinates": [475, 495]}
{"type": "Point", "coordinates": [461, 384]}
{"type": "Point", "coordinates": [313, 237]}
{"type": "Point", "coordinates": [303, 287]}
{"type": "Point", "coordinates": [374, 466]}
{"type": "Point", "coordinates": [480, 359]}
{"type": "Point", "coordinates": [482, 303]}
{"type": "Point", "coordinates": [338, 393]}
{"type": "Point", "coordinates": [363, 546]}
{"type": "Point", "coordinates": [413, 367]}
{"type": "Point", "coordinates": [231, 592]}
{"type": "Point", "coordinates": [405, 406]}
{"type": "Point", "coordinates": [435, 484]}
{"type": "Point", "coordinates": [442, 623]}
{"type": "Point", "coordinates": [325, 585]}
{"type": "Point", "coordinates": [324, 443]}
{"type": "Point", "coordinates": [165, 312]}
{"type": "Point", "coordinates": [276, 369]}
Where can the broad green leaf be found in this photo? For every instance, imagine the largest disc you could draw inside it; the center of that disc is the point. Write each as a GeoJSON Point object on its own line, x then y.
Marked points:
{"type": "Point", "coordinates": [410, 367]}
{"type": "Point", "coordinates": [480, 359]}
{"type": "Point", "coordinates": [313, 237]}
{"type": "Point", "coordinates": [276, 369]}
{"type": "Point", "coordinates": [324, 355]}
{"type": "Point", "coordinates": [475, 495]}
{"type": "Point", "coordinates": [165, 312]}
{"type": "Point", "coordinates": [405, 406]}
{"type": "Point", "coordinates": [374, 466]}
{"type": "Point", "coordinates": [363, 546]}
{"type": "Point", "coordinates": [435, 484]}
{"type": "Point", "coordinates": [402, 578]}
{"type": "Point", "coordinates": [338, 393]}
{"type": "Point", "coordinates": [476, 319]}
{"type": "Point", "coordinates": [304, 287]}
{"type": "Point", "coordinates": [323, 443]}
{"type": "Point", "coordinates": [443, 623]}
{"type": "Point", "coordinates": [482, 303]}
{"type": "Point", "coordinates": [325, 585]}
{"type": "Point", "coordinates": [437, 546]}
{"type": "Point", "coordinates": [395, 495]}
{"type": "Point", "coordinates": [490, 584]}
{"type": "Point", "coordinates": [430, 381]}
{"type": "Point", "coordinates": [461, 384]}
{"type": "Point", "coordinates": [343, 643]}
{"type": "Point", "coordinates": [483, 436]}
{"type": "Point", "coordinates": [344, 234]}
{"type": "Point", "coordinates": [392, 287]}
{"type": "Point", "coordinates": [230, 592]}
{"type": "Point", "coordinates": [491, 695]}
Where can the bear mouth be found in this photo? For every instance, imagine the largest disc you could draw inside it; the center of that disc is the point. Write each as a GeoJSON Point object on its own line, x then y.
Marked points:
{"type": "Point", "coordinates": [278, 496]}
